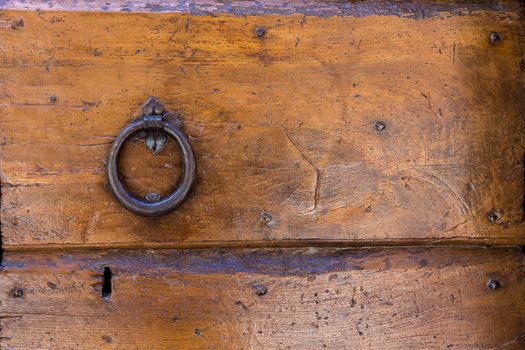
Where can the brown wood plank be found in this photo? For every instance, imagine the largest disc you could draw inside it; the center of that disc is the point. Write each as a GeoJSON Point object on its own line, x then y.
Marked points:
{"type": "Point", "coordinates": [282, 125]}
{"type": "Point", "coordinates": [427, 298]}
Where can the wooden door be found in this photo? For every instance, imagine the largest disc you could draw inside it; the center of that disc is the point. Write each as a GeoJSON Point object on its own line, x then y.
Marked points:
{"type": "Point", "coordinates": [359, 184]}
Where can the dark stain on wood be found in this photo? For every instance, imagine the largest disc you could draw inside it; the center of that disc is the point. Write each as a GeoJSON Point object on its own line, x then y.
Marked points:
{"type": "Point", "coordinates": [324, 8]}
{"type": "Point", "coordinates": [278, 262]}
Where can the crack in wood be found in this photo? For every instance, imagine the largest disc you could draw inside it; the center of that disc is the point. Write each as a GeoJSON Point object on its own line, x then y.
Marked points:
{"type": "Point", "coordinates": [318, 172]}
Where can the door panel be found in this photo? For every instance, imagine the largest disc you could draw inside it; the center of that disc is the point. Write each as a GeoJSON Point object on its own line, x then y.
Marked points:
{"type": "Point", "coordinates": [334, 124]}
{"type": "Point", "coordinates": [283, 127]}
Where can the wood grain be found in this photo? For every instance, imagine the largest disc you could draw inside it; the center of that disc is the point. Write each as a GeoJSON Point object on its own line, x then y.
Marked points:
{"type": "Point", "coordinates": [336, 299]}
{"type": "Point", "coordinates": [281, 126]}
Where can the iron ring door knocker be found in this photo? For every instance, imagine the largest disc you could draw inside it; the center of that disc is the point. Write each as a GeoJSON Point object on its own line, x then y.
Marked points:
{"type": "Point", "coordinates": [154, 123]}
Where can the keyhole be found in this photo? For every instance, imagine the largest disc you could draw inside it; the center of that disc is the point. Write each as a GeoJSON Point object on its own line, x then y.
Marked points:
{"type": "Point", "coordinates": [106, 284]}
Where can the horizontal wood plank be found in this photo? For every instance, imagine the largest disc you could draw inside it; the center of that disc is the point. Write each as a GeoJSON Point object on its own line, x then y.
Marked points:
{"type": "Point", "coordinates": [408, 8]}
{"type": "Point", "coordinates": [404, 299]}
{"type": "Point", "coordinates": [282, 127]}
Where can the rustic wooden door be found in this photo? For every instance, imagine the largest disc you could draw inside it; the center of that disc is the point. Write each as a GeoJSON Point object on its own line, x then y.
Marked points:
{"type": "Point", "coordinates": [359, 177]}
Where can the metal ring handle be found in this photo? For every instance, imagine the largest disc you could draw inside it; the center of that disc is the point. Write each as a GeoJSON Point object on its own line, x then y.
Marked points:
{"type": "Point", "coordinates": [153, 206]}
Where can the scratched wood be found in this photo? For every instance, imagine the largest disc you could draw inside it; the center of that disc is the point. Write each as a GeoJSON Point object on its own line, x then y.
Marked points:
{"type": "Point", "coordinates": [395, 299]}
{"type": "Point", "coordinates": [282, 127]}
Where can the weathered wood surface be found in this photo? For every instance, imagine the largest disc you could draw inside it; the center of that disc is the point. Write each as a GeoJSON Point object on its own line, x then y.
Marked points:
{"type": "Point", "coordinates": [407, 8]}
{"type": "Point", "coordinates": [336, 299]}
{"type": "Point", "coordinates": [282, 126]}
